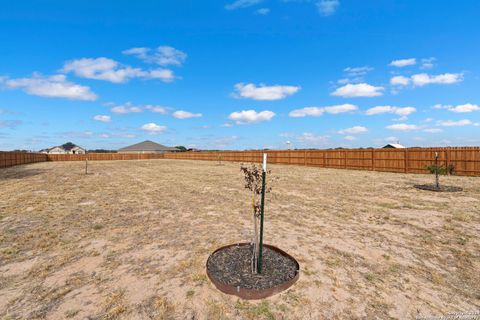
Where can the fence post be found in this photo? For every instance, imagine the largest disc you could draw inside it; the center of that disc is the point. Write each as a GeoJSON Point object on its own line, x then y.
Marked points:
{"type": "Point", "coordinates": [405, 155]}
{"type": "Point", "coordinates": [447, 157]}
{"type": "Point", "coordinates": [373, 159]}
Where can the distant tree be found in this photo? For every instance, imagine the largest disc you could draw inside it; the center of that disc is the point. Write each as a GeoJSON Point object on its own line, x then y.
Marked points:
{"type": "Point", "coordinates": [68, 146]}
{"type": "Point", "coordinates": [181, 148]}
{"type": "Point", "coordinates": [101, 151]}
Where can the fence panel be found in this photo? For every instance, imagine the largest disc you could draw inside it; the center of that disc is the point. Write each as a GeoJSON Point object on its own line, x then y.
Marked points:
{"type": "Point", "coordinates": [466, 160]}
{"type": "Point", "coordinates": [10, 159]}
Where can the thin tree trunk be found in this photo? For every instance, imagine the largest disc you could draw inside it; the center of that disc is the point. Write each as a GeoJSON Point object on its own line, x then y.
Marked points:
{"type": "Point", "coordinates": [254, 238]}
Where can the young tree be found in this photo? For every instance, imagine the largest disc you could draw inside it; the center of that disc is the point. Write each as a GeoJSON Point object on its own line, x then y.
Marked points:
{"type": "Point", "coordinates": [255, 181]}
{"type": "Point", "coordinates": [437, 169]}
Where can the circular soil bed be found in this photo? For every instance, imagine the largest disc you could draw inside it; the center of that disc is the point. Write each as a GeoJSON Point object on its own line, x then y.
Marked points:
{"type": "Point", "coordinates": [230, 270]}
{"type": "Point", "coordinates": [432, 187]}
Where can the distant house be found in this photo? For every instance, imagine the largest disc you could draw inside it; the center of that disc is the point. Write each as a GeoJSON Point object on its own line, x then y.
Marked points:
{"type": "Point", "coordinates": [147, 147]}
{"type": "Point", "coordinates": [394, 146]}
{"type": "Point", "coordinates": [67, 148]}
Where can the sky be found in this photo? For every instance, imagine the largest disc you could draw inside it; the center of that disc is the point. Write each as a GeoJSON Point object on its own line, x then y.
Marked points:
{"type": "Point", "coordinates": [239, 74]}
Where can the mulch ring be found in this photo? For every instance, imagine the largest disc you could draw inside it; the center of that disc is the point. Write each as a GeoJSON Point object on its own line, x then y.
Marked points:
{"type": "Point", "coordinates": [231, 265]}
{"type": "Point", "coordinates": [432, 187]}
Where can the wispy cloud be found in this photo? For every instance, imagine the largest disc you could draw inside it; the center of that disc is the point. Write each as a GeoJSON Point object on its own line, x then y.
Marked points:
{"type": "Point", "coordinates": [357, 71]}
{"type": "Point", "coordinates": [327, 7]}
{"type": "Point", "coordinates": [453, 123]}
{"type": "Point", "coordinates": [56, 86]}
{"type": "Point", "coordinates": [264, 92]}
{"type": "Point", "coordinates": [402, 127]}
{"type": "Point", "coordinates": [131, 108]}
{"type": "Point", "coordinates": [162, 55]}
{"type": "Point", "coordinates": [111, 70]}
{"type": "Point", "coordinates": [180, 114]}
{"type": "Point", "coordinates": [251, 116]}
{"type": "Point", "coordinates": [9, 124]}
{"type": "Point", "coordinates": [242, 4]}
{"type": "Point", "coordinates": [102, 118]}
{"type": "Point", "coordinates": [126, 108]}
{"type": "Point", "coordinates": [263, 11]}
{"type": "Point", "coordinates": [309, 138]}
{"type": "Point", "coordinates": [423, 79]}
{"type": "Point", "coordinates": [428, 63]}
{"type": "Point", "coordinates": [400, 111]}
{"type": "Point", "coordinates": [318, 111]}
{"type": "Point", "coordinates": [462, 108]}
{"type": "Point", "coordinates": [403, 63]}
{"type": "Point", "coordinates": [354, 130]}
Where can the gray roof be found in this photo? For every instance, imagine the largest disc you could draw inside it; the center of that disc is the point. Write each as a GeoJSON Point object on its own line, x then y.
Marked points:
{"type": "Point", "coordinates": [147, 145]}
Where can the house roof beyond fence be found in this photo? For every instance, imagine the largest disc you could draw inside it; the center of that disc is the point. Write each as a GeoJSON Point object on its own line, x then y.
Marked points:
{"type": "Point", "coordinates": [148, 146]}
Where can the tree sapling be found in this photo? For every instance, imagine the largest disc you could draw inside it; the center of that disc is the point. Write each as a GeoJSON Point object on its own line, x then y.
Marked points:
{"type": "Point", "coordinates": [255, 181]}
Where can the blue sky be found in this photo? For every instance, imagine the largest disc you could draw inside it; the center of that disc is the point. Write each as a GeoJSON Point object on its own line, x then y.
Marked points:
{"type": "Point", "coordinates": [239, 74]}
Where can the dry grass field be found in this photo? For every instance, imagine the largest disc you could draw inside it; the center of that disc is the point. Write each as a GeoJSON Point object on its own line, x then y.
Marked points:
{"type": "Point", "coordinates": [130, 241]}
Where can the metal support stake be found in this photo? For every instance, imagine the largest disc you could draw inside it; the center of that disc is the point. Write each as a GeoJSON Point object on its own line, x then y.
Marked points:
{"type": "Point", "coordinates": [262, 209]}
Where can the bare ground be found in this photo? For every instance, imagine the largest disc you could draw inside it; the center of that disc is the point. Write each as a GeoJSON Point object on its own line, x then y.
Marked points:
{"type": "Point", "coordinates": [130, 241]}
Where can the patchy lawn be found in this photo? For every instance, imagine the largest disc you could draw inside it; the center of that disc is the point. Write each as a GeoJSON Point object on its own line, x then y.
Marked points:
{"type": "Point", "coordinates": [130, 241]}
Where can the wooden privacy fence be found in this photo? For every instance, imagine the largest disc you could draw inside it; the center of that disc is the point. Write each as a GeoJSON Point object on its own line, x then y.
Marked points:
{"type": "Point", "coordinates": [466, 160]}
{"type": "Point", "coordinates": [104, 156]}
{"type": "Point", "coordinates": [8, 159]}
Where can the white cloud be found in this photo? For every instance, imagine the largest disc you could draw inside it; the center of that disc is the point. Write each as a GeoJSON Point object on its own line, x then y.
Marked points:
{"type": "Point", "coordinates": [452, 123]}
{"type": "Point", "coordinates": [399, 81]}
{"type": "Point", "coordinates": [241, 4]}
{"type": "Point", "coordinates": [350, 138]}
{"type": "Point", "coordinates": [318, 111]}
{"type": "Point", "coordinates": [251, 116]}
{"type": "Point", "coordinates": [403, 62]}
{"type": "Point", "coordinates": [264, 92]}
{"type": "Point", "coordinates": [162, 55]}
{"type": "Point", "coordinates": [308, 111]}
{"type": "Point", "coordinates": [353, 130]}
{"type": "Point", "coordinates": [327, 7]}
{"type": "Point", "coordinates": [180, 114]}
{"type": "Point", "coordinates": [358, 90]}
{"type": "Point", "coordinates": [423, 79]}
{"type": "Point", "coordinates": [56, 86]}
{"type": "Point", "coordinates": [110, 70]}
{"type": "Point", "coordinates": [310, 138]}
{"type": "Point", "coordinates": [156, 109]}
{"type": "Point", "coordinates": [433, 130]}
{"type": "Point", "coordinates": [428, 63]}
{"type": "Point", "coordinates": [357, 71]}
{"type": "Point", "coordinates": [400, 111]}
{"type": "Point", "coordinates": [342, 108]}
{"type": "Point", "coordinates": [402, 127]}
{"type": "Point", "coordinates": [227, 125]}
{"type": "Point", "coordinates": [263, 11]}
{"type": "Point", "coordinates": [126, 108]}
{"type": "Point", "coordinates": [102, 118]}
{"type": "Point", "coordinates": [391, 139]}
{"type": "Point", "coordinates": [462, 108]}
{"type": "Point", "coordinates": [131, 108]}
{"type": "Point", "coordinates": [153, 128]}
